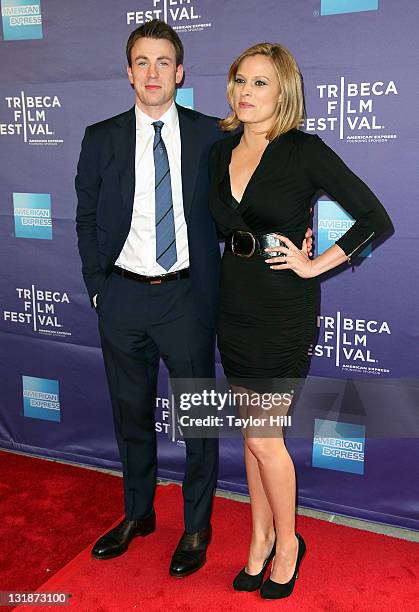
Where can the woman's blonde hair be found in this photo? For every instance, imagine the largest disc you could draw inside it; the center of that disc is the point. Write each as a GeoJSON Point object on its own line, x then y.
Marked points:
{"type": "Point", "coordinates": [291, 106]}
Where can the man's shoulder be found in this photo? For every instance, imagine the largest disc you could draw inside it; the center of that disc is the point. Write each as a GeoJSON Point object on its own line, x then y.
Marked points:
{"type": "Point", "coordinates": [197, 117]}
{"type": "Point", "coordinates": [104, 124]}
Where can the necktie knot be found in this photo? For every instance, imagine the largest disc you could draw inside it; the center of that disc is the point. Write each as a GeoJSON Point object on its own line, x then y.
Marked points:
{"type": "Point", "coordinates": [158, 126]}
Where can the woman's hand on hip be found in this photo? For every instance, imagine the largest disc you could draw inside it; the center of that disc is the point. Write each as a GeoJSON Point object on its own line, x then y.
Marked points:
{"type": "Point", "coordinates": [293, 258]}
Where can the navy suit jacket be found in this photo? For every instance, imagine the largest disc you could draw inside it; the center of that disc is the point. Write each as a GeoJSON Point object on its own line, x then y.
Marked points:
{"type": "Point", "coordinates": [105, 185]}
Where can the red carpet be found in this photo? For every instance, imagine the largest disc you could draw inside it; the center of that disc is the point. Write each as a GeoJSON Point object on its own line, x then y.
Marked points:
{"type": "Point", "coordinates": [49, 513]}
{"type": "Point", "coordinates": [344, 569]}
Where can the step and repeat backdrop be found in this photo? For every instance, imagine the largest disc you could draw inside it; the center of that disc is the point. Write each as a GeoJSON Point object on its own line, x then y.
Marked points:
{"type": "Point", "coordinates": [354, 437]}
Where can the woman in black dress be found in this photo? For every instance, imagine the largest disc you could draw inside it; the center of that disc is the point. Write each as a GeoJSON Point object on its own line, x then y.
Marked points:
{"type": "Point", "coordinates": [263, 180]}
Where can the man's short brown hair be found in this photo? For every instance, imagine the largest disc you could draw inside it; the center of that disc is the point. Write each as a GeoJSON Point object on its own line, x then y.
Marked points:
{"type": "Point", "coordinates": [156, 29]}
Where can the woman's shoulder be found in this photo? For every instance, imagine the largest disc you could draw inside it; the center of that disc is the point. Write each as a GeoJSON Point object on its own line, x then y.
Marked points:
{"type": "Point", "coordinates": [307, 146]}
{"type": "Point", "coordinates": [224, 145]}
{"type": "Point", "coordinates": [228, 140]}
{"type": "Point", "coordinates": [298, 138]}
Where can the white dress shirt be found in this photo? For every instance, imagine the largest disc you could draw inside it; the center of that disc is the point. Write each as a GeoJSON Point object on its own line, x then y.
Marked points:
{"type": "Point", "coordinates": [139, 251]}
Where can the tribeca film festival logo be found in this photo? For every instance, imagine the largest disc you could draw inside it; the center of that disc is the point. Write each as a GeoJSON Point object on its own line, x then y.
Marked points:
{"type": "Point", "coordinates": [332, 222]}
{"type": "Point", "coordinates": [182, 15]}
{"type": "Point", "coordinates": [39, 309]}
{"type": "Point", "coordinates": [41, 398]}
{"type": "Point", "coordinates": [347, 342]}
{"type": "Point", "coordinates": [336, 7]}
{"type": "Point", "coordinates": [32, 212]}
{"type": "Point", "coordinates": [22, 19]}
{"type": "Point", "coordinates": [166, 422]}
{"type": "Point", "coordinates": [338, 446]}
{"type": "Point", "coordinates": [29, 119]}
{"type": "Point", "coordinates": [349, 109]}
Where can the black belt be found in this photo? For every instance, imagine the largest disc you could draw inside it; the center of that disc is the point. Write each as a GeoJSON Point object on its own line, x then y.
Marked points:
{"type": "Point", "coordinates": [152, 280]}
{"type": "Point", "coordinates": [246, 244]}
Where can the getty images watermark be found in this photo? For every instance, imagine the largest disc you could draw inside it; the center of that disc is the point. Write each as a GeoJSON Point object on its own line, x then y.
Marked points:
{"type": "Point", "coordinates": [254, 408]}
{"type": "Point", "coordinates": [385, 408]}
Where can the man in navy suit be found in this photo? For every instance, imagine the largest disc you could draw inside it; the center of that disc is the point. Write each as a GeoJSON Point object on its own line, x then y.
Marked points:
{"type": "Point", "coordinates": [150, 261]}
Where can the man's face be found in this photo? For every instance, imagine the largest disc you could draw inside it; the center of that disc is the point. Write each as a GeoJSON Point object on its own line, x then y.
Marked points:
{"type": "Point", "coordinates": [154, 75]}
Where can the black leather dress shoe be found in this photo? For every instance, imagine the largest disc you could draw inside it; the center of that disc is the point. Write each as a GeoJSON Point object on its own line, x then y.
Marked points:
{"type": "Point", "coordinates": [116, 541]}
{"type": "Point", "coordinates": [190, 553]}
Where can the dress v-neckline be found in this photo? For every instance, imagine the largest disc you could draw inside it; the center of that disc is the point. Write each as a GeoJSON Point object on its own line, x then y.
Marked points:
{"type": "Point", "coordinates": [251, 176]}
{"type": "Point", "coordinates": [237, 202]}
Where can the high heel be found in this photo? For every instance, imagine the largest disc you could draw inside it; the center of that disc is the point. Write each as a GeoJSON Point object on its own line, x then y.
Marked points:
{"type": "Point", "coordinates": [278, 590]}
{"type": "Point", "coordinates": [246, 582]}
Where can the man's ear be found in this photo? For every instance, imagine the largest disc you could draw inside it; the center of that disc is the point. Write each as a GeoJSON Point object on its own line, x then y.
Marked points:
{"type": "Point", "coordinates": [129, 72]}
{"type": "Point", "coordinates": [179, 74]}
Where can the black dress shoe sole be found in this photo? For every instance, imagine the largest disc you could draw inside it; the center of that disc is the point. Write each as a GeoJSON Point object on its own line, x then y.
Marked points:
{"type": "Point", "coordinates": [123, 550]}
{"type": "Point", "coordinates": [189, 572]}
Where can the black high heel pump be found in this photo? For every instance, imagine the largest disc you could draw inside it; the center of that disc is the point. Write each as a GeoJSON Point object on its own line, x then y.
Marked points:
{"type": "Point", "coordinates": [277, 590]}
{"type": "Point", "coordinates": [246, 582]}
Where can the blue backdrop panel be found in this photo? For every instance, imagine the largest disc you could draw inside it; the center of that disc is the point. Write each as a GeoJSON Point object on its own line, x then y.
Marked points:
{"type": "Point", "coordinates": [354, 434]}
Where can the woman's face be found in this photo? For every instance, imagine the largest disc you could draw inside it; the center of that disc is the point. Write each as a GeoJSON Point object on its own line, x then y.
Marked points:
{"type": "Point", "coordinates": [256, 92]}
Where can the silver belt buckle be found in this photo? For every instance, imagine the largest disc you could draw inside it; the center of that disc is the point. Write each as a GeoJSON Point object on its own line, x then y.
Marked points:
{"type": "Point", "coordinates": [253, 244]}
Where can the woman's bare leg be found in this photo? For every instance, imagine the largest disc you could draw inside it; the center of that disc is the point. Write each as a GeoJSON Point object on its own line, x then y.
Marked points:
{"type": "Point", "coordinates": [263, 534]}
{"type": "Point", "coordinates": [277, 475]}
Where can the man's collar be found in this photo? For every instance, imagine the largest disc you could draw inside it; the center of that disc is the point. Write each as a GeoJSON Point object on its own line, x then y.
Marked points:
{"type": "Point", "coordinates": [169, 118]}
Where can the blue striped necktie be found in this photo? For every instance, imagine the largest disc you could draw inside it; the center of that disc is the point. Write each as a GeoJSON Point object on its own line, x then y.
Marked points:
{"type": "Point", "coordinates": [166, 254]}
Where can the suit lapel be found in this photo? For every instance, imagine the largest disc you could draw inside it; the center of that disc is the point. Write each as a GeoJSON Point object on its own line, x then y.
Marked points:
{"type": "Point", "coordinates": [191, 144]}
{"type": "Point", "coordinates": [123, 138]}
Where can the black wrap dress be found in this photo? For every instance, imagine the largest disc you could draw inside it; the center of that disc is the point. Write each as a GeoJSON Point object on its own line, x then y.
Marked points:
{"type": "Point", "coordinates": [267, 318]}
